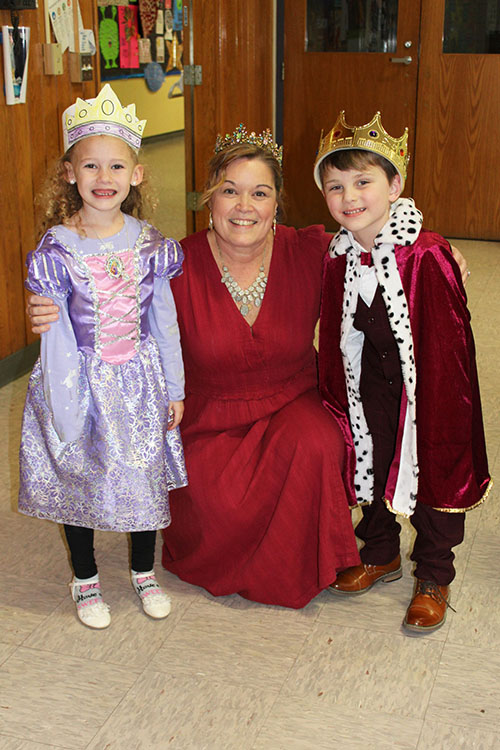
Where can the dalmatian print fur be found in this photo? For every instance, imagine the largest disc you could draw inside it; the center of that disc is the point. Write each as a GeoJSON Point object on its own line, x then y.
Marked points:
{"type": "Point", "coordinates": [402, 228]}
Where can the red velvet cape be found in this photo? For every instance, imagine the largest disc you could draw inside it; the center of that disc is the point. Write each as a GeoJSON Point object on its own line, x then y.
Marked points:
{"type": "Point", "coordinates": [453, 467]}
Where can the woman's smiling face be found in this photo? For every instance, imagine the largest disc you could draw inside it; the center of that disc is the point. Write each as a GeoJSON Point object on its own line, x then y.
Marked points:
{"type": "Point", "coordinates": [244, 206]}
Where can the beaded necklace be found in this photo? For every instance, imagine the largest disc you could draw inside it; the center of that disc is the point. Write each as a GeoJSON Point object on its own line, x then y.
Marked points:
{"type": "Point", "coordinates": [253, 294]}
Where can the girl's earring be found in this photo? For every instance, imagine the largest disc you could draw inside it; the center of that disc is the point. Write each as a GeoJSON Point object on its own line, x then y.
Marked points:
{"type": "Point", "coordinates": [72, 182]}
{"type": "Point", "coordinates": [133, 183]}
{"type": "Point", "coordinates": [210, 221]}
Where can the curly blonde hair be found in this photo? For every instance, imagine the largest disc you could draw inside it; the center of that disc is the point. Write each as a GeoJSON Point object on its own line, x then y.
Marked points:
{"type": "Point", "coordinates": [59, 200]}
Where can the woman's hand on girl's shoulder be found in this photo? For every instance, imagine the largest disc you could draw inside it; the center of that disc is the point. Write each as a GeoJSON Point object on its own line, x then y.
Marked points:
{"type": "Point", "coordinates": [42, 312]}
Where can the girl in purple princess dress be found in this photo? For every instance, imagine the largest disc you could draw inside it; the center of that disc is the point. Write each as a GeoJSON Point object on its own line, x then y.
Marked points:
{"type": "Point", "coordinates": [100, 445]}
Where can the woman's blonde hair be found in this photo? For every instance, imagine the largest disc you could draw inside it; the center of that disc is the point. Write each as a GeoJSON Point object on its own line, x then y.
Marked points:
{"type": "Point", "coordinates": [219, 163]}
{"type": "Point", "coordinates": [58, 200]}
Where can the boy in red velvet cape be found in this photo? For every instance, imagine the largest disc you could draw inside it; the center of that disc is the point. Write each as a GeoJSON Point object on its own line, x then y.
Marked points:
{"type": "Point", "coordinates": [397, 369]}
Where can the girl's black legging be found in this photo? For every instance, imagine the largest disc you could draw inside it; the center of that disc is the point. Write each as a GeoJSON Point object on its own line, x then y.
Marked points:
{"type": "Point", "coordinates": [81, 546]}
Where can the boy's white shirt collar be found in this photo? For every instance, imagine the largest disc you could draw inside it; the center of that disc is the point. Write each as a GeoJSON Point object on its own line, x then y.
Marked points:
{"type": "Point", "coordinates": [402, 228]}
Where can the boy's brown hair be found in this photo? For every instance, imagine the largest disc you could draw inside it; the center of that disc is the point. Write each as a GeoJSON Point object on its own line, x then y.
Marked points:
{"type": "Point", "coordinates": [355, 158]}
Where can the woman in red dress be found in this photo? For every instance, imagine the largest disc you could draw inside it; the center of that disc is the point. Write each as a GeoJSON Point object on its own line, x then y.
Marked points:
{"type": "Point", "coordinates": [265, 514]}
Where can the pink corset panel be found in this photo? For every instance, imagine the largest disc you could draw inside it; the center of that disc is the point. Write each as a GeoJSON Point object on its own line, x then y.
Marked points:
{"type": "Point", "coordinates": [117, 323]}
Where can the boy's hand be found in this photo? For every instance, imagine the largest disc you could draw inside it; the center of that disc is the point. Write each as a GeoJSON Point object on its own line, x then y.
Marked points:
{"type": "Point", "coordinates": [175, 412]}
{"type": "Point", "coordinates": [41, 311]}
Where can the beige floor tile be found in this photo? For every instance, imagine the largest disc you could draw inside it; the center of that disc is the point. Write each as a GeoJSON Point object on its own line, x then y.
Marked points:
{"type": "Point", "coordinates": [26, 605]}
{"type": "Point", "coordinates": [466, 691]}
{"type": "Point", "coordinates": [234, 646]}
{"type": "Point", "coordinates": [182, 712]}
{"type": "Point", "coordinates": [13, 743]}
{"type": "Point", "coordinates": [446, 737]}
{"type": "Point", "coordinates": [391, 673]}
{"type": "Point", "coordinates": [6, 651]}
{"type": "Point", "coordinates": [477, 619]}
{"type": "Point", "coordinates": [59, 699]}
{"type": "Point", "coordinates": [312, 725]}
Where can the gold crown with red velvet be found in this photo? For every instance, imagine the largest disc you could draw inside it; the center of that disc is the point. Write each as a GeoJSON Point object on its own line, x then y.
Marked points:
{"type": "Point", "coordinates": [370, 137]}
{"type": "Point", "coordinates": [263, 140]}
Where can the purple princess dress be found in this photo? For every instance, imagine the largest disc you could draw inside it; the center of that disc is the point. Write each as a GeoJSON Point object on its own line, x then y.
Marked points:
{"type": "Point", "coordinates": [95, 450]}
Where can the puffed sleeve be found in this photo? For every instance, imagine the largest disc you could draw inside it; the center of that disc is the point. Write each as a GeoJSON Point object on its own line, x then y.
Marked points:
{"type": "Point", "coordinates": [163, 317]}
{"type": "Point", "coordinates": [48, 276]}
{"type": "Point", "coordinates": [168, 259]}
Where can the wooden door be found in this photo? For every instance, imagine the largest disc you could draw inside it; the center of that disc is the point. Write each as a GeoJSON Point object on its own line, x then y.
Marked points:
{"type": "Point", "coordinates": [457, 156]}
{"type": "Point", "coordinates": [232, 41]}
{"type": "Point", "coordinates": [317, 85]}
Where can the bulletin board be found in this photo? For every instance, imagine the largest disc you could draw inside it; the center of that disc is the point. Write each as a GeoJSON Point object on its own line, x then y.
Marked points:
{"type": "Point", "coordinates": [140, 38]}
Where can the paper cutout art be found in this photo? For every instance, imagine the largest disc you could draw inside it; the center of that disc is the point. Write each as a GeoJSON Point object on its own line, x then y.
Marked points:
{"type": "Point", "coordinates": [129, 34]}
{"type": "Point", "coordinates": [109, 40]}
{"type": "Point", "coordinates": [148, 10]}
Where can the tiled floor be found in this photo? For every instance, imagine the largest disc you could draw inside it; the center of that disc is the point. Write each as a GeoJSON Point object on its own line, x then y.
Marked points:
{"type": "Point", "coordinates": [226, 673]}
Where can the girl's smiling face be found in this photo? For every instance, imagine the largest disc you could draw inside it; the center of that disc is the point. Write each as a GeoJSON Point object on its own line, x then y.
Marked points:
{"type": "Point", "coordinates": [360, 199]}
{"type": "Point", "coordinates": [104, 167]}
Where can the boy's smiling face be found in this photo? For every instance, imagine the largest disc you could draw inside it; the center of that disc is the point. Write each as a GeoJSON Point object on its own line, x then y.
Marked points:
{"type": "Point", "coordinates": [360, 199]}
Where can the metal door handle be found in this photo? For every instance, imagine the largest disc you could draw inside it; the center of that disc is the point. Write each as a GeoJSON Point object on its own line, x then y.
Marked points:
{"type": "Point", "coordinates": [403, 60]}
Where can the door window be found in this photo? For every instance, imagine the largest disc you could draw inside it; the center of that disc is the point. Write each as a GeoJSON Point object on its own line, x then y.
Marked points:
{"type": "Point", "coordinates": [472, 26]}
{"type": "Point", "coordinates": [351, 25]}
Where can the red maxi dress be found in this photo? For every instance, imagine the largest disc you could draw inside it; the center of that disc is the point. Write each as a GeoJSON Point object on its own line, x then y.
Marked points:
{"type": "Point", "coordinates": [265, 513]}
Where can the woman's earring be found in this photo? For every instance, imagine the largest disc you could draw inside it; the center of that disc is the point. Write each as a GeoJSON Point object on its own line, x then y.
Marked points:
{"type": "Point", "coordinates": [134, 183]}
{"type": "Point", "coordinates": [72, 182]}
{"type": "Point", "coordinates": [274, 225]}
{"type": "Point", "coordinates": [210, 221]}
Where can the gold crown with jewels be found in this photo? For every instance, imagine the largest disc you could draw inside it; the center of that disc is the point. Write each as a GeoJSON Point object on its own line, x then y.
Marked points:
{"type": "Point", "coordinates": [370, 137]}
{"type": "Point", "coordinates": [103, 115]}
{"type": "Point", "coordinates": [264, 140]}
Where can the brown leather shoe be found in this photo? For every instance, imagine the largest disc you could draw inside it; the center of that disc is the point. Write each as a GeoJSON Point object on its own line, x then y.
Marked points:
{"type": "Point", "coordinates": [361, 578]}
{"type": "Point", "coordinates": [427, 610]}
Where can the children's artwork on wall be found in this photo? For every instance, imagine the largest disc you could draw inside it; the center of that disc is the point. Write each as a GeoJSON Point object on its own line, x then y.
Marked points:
{"type": "Point", "coordinates": [129, 34]}
{"type": "Point", "coordinates": [148, 10]}
{"type": "Point", "coordinates": [154, 76]}
{"type": "Point", "coordinates": [109, 39]}
{"type": "Point", "coordinates": [144, 51]}
{"type": "Point", "coordinates": [174, 49]}
{"type": "Point", "coordinates": [135, 34]}
{"type": "Point", "coordinates": [169, 25]}
{"type": "Point", "coordinates": [177, 11]}
{"type": "Point", "coordinates": [15, 41]}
